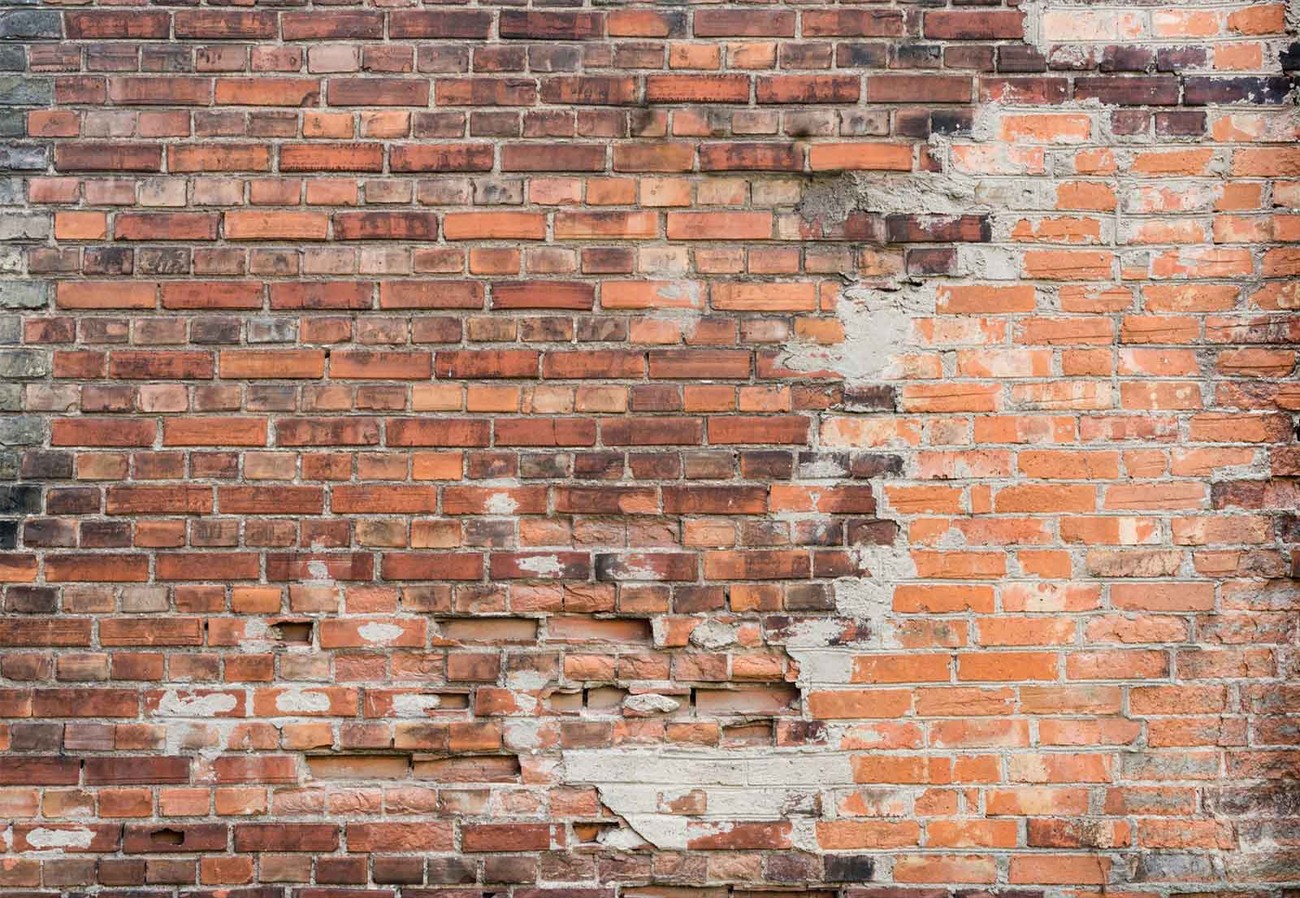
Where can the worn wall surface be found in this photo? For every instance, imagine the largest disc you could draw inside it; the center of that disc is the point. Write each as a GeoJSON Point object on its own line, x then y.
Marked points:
{"type": "Point", "coordinates": [649, 449]}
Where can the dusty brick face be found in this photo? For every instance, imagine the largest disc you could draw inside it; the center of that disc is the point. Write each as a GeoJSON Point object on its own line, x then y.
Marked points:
{"type": "Point", "coordinates": [643, 450]}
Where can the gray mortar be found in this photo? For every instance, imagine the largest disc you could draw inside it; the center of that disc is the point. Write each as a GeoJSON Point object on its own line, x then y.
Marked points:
{"type": "Point", "coordinates": [833, 199]}
{"type": "Point", "coordinates": [877, 326]}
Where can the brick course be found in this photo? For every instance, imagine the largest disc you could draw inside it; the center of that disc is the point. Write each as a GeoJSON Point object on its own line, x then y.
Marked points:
{"type": "Point", "coordinates": [663, 451]}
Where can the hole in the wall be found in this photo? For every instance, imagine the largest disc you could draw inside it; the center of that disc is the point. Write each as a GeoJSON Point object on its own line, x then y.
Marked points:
{"type": "Point", "coordinates": [293, 632]}
{"type": "Point", "coordinates": [604, 698]}
{"type": "Point", "coordinates": [589, 833]}
{"type": "Point", "coordinates": [360, 766]}
{"type": "Point", "coordinates": [167, 837]}
{"type": "Point", "coordinates": [752, 733]}
{"type": "Point", "coordinates": [468, 768]}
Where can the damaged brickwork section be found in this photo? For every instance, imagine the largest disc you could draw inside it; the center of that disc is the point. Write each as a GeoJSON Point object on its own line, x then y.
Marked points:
{"type": "Point", "coordinates": [649, 451]}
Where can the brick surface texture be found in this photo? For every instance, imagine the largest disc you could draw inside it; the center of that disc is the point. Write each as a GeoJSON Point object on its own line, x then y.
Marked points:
{"type": "Point", "coordinates": [649, 450]}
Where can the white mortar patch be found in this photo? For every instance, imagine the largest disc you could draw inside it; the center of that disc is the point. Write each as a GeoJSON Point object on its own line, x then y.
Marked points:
{"type": "Point", "coordinates": [741, 784]}
{"type": "Point", "coordinates": [713, 635]}
{"type": "Point", "coordinates": [174, 704]}
{"type": "Point", "coordinates": [42, 838]}
{"type": "Point", "coordinates": [651, 703]}
{"type": "Point", "coordinates": [301, 702]}
{"type": "Point", "coordinates": [542, 565]}
{"type": "Point", "coordinates": [379, 634]}
{"type": "Point", "coordinates": [500, 503]}
{"type": "Point", "coordinates": [415, 705]}
{"type": "Point", "coordinates": [878, 327]}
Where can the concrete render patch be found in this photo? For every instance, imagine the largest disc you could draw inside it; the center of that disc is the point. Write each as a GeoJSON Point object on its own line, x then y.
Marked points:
{"type": "Point", "coordinates": [45, 838]}
{"type": "Point", "coordinates": [176, 703]}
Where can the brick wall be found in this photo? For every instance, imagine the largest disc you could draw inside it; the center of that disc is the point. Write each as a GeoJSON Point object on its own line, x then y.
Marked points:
{"type": "Point", "coordinates": [649, 450]}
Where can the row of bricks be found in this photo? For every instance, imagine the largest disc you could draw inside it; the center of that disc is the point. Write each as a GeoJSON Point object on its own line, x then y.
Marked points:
{"type": "Point", "coordinates": [689, 669]}
{"type": "Point", "coordinates": [1171, 396]}
{"type": "Point", "coordinates": [1168, 395]}
{"type": "Point", "coordinates": [459, 57]}
{"type": "Point", "coordinates": [756, 696]}
{"type": "Point", "coordinates": [1011, 503]}
{"type": "Point", "coordinates": [837, 432]}
{"type": "Point", "coordinates": [1052, 494]}
{"type": "Point", "coordinates": [1171, 308]}
{"type": "Point", "coordinates": [952, 762]}
{"type": "Point", "coordinates": [1060, 464]}
{"type": "Point", "coordinates": [159, 875]}
{"type": "Point", "coordinates": [589, 157]}
{"type": "Point", "coordinates": [572, 364]}
{"type": "Point", "coordinates": [512, 500]}
{"type": "Point", "coordinates": [718, 564]}
{"type": "Point", "coordinates": [731, 88]}
{"type": "Point", "coordinates": [413, 837]}
{"type": "Point", "coordinates": [419, 432]}
{"type": "Point", "coordinates": [1031, 533]}
{"type": "Point", "coordinates": [133, 838]}
{"type": "Point", "coordinates": [849, 834]}
{"type": "Point", "coordinates": [1240, 203]}
{"type": "Point", "coordinates": [1177, 713]}
{"type": "Point", "coordinates": [413, 225]}
{"type": "Point", "coordinates": [1073, 26]}
{"type": "Point", "coordinates": [695, 680]}
{"type": "Point", "coordinates": [1133, 125]}
{"type": "Point", "coordinates": [421, 226]}
{"type": "Point", "coordinates": [605, 874]}
{"type": "Point", "coordinates": [1266, 272]}
{"type": "Point", "coordinates": [777, 563]}
{"type": "Point", "coordinates": [452, 750]}
{"type": "Point", "coordinates": [1196, 292]}
{"type": "Point", "coordinates": [85, 225]}
{"type": "Point", "coordinates": [1144, 470]}
{"type": "Point", "coordinates": [514, 24]}
{"type": "Point", "coordinates": [1161, 596]}
{"type": "Point", "coordinates": [541, 260]}
{"type": "Point", "coordinates": [477, 24]}
{"type": "Point", "coordinates": [1226, 554]}
{"type": "Point", "coordinates": [583, 711]}
{"type": "Point", "coordinates": [1128, 598]}
{"type": "Point", "coordinates": [1210, 722]}
{"type": "Point", "coordinates": [1083, 611]}
{"type": "Point", "coordinates": [1152, 463]}
{"type": "Point", "coordinates": [98, 399]}
{"type": "Point", "coordinates": [774, 564]}
{"type": "Point", "coordinates": [658, 156]}
{"type": "Point", "coordinates": [329, 764]}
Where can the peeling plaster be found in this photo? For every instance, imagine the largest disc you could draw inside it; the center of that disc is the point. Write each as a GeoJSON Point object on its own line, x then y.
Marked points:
{"type": "Point", "coordinates": [302, 702]}
{"type": "Point", "coordinates": [175, 704]}
{"type": "Point", "coordinates": [379, 634]}
{"type": "Point", "coordinates": [42, 838]}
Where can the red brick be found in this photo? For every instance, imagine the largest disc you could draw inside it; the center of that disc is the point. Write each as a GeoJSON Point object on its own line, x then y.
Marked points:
{"type": "Point", "coordinates": [220, 24]}
{"type": "Point", "coordinates": [442, 157]}
{"type": "Point", "coordinates": [697, 88]}
{"type": "Point", "coordinates": [364, 157]}
{"type": "Point", "coordinates": [267, 92]}
{"type": "Point", "coordinates": [88, 156]}
{"type": "Point", "coordinates": [543, 295]}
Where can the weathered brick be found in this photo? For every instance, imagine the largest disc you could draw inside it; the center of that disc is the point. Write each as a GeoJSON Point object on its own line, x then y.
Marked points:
{"type": "Point", "coordinates": [639, 450]}
{"type": "Point", "coordinates": [30, 24]}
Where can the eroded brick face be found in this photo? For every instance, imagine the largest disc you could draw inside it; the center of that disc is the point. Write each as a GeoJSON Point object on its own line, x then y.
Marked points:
{"type": "Point", "coordinates": [649, 450]}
